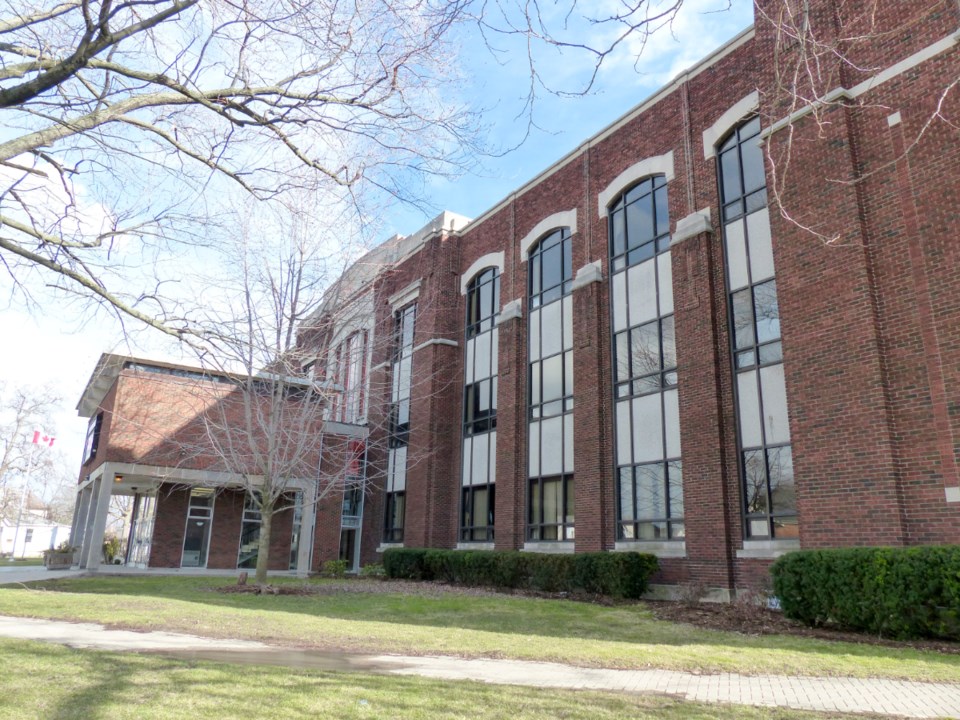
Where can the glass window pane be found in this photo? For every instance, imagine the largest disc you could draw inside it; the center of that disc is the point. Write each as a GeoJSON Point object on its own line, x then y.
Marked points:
{"type": "Point", "coordinates": [671, 422]}
{"type": "Point", "coordinates": [482, 358]}
{"type": "Point", "coordinates": [622, 357]}
{"type": "Point", "coordinates": [552, 501]}
{"type": "Point", "coordinates": [669, 343]}
{"type": "Point", "coordinates": [568, 443]}
{"type": "Point", "coordinates": [617, 233]}
{"type": "Point", "coordinates": [753, 174]}
{"type": "Point", "coordinates": [730, 175]}
{"type": "Point", "coordinates": [533, 440]}
{"type": "Point", "coordinates": [552, 378]}
{"type": "Point", "coordinates": [783, 494]}
{"type": "Point", "coordinates": [571, 503]}
{"type": "Point", "coordinates": [766, 311]}
{"type": "Point", "coordinates": [467, 461]}
{"type": "Point", "coordinates": [550, 262]}
{"type": "Point", "coordinates": [535, 264]}
{"type": "Point", "coordinates": [640, 227]}
{"type": "Point", "coordinates": [567, 260]}
{"type": "Point", "coordinates": [675, 485]}
{"type": "Point", "coordinates": [743, 319]}
{"type": "Point", "coordinates": [645, 349]}
{"type": "Point", "coordinates": [663, 213]}
{"type": "Point", "coordinates": [626, 494]}
{"type": "Point", "coordinates": [535, 397]}
{"type": "Point", "coordinates": [775, 422]}
{"type": "Point", "coordinates": [533, 340]}
{"type": "Point", "coordinates": [567, 311]}
{"type": "Point", "coordinates": [568, 373]}
{"type": "Point", "coordinates": [481, 457]}
{"type": "Point", "coordinates": [755, 472]}
{"type": "Point", "coordinates": [771, 353]}
{"type": "Point", "coordinates": [651, 503]}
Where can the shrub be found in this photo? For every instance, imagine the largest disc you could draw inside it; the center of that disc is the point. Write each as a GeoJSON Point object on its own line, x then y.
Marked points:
{"type": "Point", "coordinates": [372, 570]}
{"type": "Point", "coordinates": [334, 568]}
{"type": "Point", "coordinates": [895, 592]}
{"type": "Point", "coordinates": [616, 574]}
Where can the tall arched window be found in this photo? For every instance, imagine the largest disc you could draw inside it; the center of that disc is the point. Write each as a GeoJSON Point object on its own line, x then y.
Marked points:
{"type": "Point", "coordinates": [404, 322]}
{"type": "Point", "coordinates": [550, 501]}
{"type": "Point", "coordinates": [766, 460]}
{"type": "Point", "coordinates": [649, 468]}
{"type": "Point", "coordinates": [480, 408]}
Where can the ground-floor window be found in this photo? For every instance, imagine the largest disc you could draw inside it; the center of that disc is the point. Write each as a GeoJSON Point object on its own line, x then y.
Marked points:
{"type": "Point", "coordinates": [651, 501]}
{"type": "Point", "coordinates": [476, 517]}
{"type": "Point", "coordinates": [551, 508]}
{"type": "Point", "coordinates": [393, 520]}
{"type": "Point", "coordinates": [250, 532]}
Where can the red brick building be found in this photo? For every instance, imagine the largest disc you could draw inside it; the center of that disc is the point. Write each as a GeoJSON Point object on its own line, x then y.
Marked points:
{"type": "Point", "coordinates": [725, 327]}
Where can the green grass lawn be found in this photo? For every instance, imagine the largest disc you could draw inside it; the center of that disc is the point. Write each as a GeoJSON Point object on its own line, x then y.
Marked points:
{"type": "Point", "coordinates": [623, 636]}
{"type": "Point", "coordinates": [21, 562]}
{"type": "Point", "coordinates": [83, 684]}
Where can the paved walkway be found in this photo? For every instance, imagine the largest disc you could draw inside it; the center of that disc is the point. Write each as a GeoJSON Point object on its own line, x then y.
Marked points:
{"type": "Point", "coordinates": [887, 697]}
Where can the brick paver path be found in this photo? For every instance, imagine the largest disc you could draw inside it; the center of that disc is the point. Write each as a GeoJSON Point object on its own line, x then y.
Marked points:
{"type": "Point", "coordinates": [853, 695]}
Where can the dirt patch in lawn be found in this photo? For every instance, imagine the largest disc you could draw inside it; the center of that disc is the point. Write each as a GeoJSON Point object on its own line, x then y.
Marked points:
{"type": "Point", "coordinates": [750, 619]}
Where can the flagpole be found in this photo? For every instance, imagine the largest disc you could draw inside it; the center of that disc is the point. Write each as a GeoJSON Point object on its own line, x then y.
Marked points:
{"type": "Point", "coordinates": [23, 494]}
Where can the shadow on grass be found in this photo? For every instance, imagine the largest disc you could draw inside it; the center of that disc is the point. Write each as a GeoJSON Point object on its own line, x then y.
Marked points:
{"type": "Point", "coordinates": [627, 624]}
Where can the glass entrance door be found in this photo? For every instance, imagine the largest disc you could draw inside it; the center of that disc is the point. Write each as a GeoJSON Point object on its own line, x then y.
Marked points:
{"type": "Point", "coordinates": [196, 538]}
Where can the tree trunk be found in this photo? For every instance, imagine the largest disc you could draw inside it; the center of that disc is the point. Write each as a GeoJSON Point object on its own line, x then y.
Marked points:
{"type": "Point", "coordinates": [263, 547]}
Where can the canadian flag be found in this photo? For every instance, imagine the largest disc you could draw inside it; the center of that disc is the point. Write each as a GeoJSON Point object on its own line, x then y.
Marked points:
{"type": "Point", "coordinates": [40, 438]}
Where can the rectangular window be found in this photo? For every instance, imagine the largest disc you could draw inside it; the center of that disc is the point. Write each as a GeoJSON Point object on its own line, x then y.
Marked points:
{"type": "Point", "coordinates": [402, 374]}
{"type": "Point", "coordinates": [92, 442]}
{"type": "Point", "coordinates": [649, 468]}
{"type": "Point", "coordinates": [766, 460]}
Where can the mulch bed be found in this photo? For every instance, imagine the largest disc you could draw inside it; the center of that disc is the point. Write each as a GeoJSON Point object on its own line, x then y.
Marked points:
{"type": "Point", "coordinates": [741, 617]}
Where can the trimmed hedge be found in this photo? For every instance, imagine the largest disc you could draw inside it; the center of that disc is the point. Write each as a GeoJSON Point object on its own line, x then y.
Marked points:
{"type": "Point", "coordinates": [895, 592]}
{"type": "Point", "coordinates": [624, 575]}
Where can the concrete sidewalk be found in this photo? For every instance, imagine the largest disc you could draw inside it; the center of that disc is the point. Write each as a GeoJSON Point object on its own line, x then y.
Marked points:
{"type": "Point", "coordinates": [850, 695]}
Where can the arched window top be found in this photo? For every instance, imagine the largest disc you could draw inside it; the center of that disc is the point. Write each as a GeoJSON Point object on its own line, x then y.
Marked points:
{"type": "Point", "coordinates": [565, 219]}
{"type": "Point", "coordinates": [648, 167]}
{"type": "Point", "coordinates": [639, 223]}
{"type": "Point", "coordinates": [490, 260]}
{"type": "Point", "coordinates": [551, 267]}
{"type": "Point", "coordinates": [744, 107]}
{"type": "Point", "coordinates": [483, 301]}
{"type": "Point", "coordinates": [742, 176]}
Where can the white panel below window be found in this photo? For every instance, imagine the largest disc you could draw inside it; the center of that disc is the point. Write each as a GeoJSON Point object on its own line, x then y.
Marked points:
{"type": "Point", "coordinates": [665, 281]}
{"type": "Point", "coordinates": [493, 456]}
{"type": "Point", "coordinates": [619, 301]}
{"type": "Point", "coordinates": [495, 351]}
{"type": "Point", "coordinates": [481, 457]}
{"type": "Point", "coordinates": [774, 390]}
{"type": "Point", "coordinates": [671, 419]}
{"type": "Point", "coordinates": [736, 255]}
{"type": "Point", "coordinates": [468, 369]}
{"type": "Point", "coordinates": [568, 443]}
{"type": "Point", "coordinates": [749, 409]}
{"type": "Point", "coordinates": [551, 332]}
{"type": "Point", "coordinates": [624, 456]}
{"type": "Point", "coordinates": [647, 429]}
{"type": "Point", "coordinates": [482, 361]}
{"type": "Point", "coordinates": [533, 341]}
{"type": "Point", "coordinates": [567, 322]}
{"type": "Point", "coordinates": [534, 446]}
{"type": "Point", "coordinates": [551, 439]}
{"type": "Point", "coordinates": [467, 460]}
{"type": "Point", "coordinates": [642, 292]}
{"type": "Point", "coordinates": [761, 248]}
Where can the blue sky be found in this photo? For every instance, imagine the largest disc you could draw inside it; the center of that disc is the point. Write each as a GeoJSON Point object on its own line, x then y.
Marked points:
{"type": "Point", "coordinates": [58, 344]}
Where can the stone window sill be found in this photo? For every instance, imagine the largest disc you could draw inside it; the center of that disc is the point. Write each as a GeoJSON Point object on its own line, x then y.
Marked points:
{"type": "Point", "coordinates": [767, 549]}
{"type": "Point", "coordinates": [675, 549]}
{"type": "Point", "coordinates": [548, 547]}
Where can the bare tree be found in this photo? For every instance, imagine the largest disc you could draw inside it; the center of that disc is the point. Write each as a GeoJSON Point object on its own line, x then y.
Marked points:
{"type": "Point", "coordinates": [25, 411]}
{"type": "Point", "coordinates": [125, 123]}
